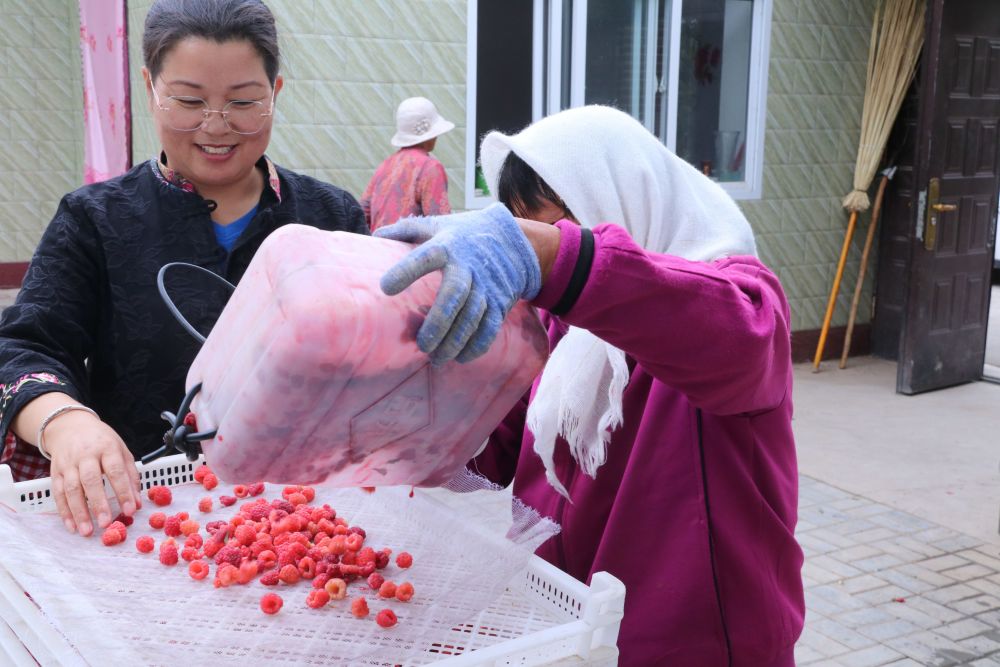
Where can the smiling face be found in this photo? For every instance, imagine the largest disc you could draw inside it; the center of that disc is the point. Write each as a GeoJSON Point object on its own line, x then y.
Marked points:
{"type": "Point", "coordinates": [212, 157]}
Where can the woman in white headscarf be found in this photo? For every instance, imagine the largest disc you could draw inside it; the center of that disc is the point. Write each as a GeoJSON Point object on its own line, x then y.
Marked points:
{"type": "Point", "coordinates": [659, 434]}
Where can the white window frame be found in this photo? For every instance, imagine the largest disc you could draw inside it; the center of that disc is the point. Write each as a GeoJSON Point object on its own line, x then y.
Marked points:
{"type": "Point", "coordinates": [547, 99]}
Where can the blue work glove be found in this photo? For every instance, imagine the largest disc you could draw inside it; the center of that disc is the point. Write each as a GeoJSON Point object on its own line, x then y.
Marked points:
{"type": "Point", "coordinates": [488, 264]}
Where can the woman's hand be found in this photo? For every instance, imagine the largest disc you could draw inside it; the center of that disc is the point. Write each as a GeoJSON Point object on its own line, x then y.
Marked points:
{"type": "Point", "coordinates": [487, 264]}
{"type": "Point", "coordinates": [84, 450]}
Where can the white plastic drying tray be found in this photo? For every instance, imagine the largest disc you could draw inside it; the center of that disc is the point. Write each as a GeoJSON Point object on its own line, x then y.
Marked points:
{"type": "Point", "coordinates": [582, 628]}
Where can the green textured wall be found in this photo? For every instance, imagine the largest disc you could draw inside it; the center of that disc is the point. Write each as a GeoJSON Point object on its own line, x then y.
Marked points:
{"type": "Point", "coordinates": [41, 118]}
{"type": "Point", "coordinates": [347, 64]}
{"type": "Point", "coordinates": [819, 54]}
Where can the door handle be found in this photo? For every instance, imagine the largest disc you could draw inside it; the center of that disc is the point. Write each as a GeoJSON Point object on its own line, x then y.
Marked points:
{"type": "Point", "coordinates": [934, 209]}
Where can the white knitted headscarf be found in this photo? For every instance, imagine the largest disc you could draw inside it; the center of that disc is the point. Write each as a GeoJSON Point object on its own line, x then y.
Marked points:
{"type": "Point", "coordinates": [607, 167]}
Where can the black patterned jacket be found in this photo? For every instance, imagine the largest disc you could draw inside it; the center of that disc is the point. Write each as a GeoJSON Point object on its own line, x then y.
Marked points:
{"type": "Point", "coordinates": [89, 320]}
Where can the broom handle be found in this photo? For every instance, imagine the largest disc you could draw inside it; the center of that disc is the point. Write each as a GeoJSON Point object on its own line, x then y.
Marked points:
{"type": "Point", "coordinates": [834, 290]}
{"type": "Point", "coordinates": [876, 209]}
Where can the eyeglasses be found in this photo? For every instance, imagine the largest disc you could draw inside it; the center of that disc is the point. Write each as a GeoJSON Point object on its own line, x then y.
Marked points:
{"type": "Point", "coordinates": [187, 114]}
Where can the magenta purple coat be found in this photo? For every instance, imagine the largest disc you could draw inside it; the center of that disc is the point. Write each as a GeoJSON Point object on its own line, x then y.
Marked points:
{"type": "Point", "coordinates": [695, 508]}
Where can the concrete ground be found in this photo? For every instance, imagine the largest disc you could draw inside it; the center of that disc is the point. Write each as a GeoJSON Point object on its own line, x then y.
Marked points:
{"type": "Point", "coordinates": [898, 517]}
{"type": "Point", "coordinates": [992, 367]}
{"type": "Point", "coordinates": [936, 455]}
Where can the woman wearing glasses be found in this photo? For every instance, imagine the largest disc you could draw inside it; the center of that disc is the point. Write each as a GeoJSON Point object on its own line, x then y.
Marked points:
{"type": "Point", "coordinates": [89, 354]}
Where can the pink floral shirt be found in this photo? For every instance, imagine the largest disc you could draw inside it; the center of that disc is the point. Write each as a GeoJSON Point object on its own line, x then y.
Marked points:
{"type": "Point", "coordinates": [408, 182]}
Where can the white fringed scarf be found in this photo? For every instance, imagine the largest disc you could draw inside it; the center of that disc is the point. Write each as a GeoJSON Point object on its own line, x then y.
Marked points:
{"type": "Point", "coordinates": [608, 168]}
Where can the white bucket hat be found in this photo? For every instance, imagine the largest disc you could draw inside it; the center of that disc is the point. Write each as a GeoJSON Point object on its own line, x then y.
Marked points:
{"type": "Point", "coordinates": [418, 120]}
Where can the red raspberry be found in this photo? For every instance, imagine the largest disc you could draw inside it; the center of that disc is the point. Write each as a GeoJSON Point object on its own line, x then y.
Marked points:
{"type": "Point", "coordinates": [111, 536]}
{"type": "Point", "coordinates": [256, 488]}
{"type": "Point", "coordinates": [189, 527]}
{"type": "Point", "coordinates": [257, 511]}
{"type": "Point", "coordinates": [317, 598]}
{"type": "Point", "coordinates": [354, 542]}
{"type": "Point", "coordinates": [120, 527]}
{"type": "Point", "coordinates": [200, 472]}
{"type": "Point", "coordinates": [404, 560]}
{"type": "Point", "coordinates": [229, 555]}
{"type": "Point", "coordinates": [194, 540]}
{"type": "Point", "coordinates": [145, 544]}
{"type": "Point", "coordinates": [168, 553]}
{"type": "Point", "coordinates": [309, 493]}
{"type": "Point", "coordinates": [366, 555]}
{"type": "Point", "coordinates": [270, 578]}
{"type": "Point", "coordinates": [337, 588]}
{"type": "Point", "coordinates": [386, 618]}
{"type": "Point", "coordinates": [241, 491]}
{"type": "Point", "coordinates": [212, 527]}
{"type": "Point", "coordinates": [326, 526]}
{"type": "Point", "coordinates": [404, 592]}
{"type": "Point", "coordinates": [160, 495]}
{"type": "Point", "coordinates": [307, 568]}
{"type": "Point", "coordinates": [156, 520]}
{"type": "Point", "coordinates": [283, 505]}
{"type": "Point", "coordinates": [271, 603]}
{"type": "Point", "coordinates": [297, 499]}
{"type": "Point", "coordinates": [375, 581]}
{"type": "Point", "coordinates": [358, 530]}
{"type": "Point", "coordinates": [319, 581]}
{"type": "Point", "coordinates": [172, 526]}
{"type": "Point", "coordinates": [382, 559]}
{"type": "Point", "coordinates": [359, 607]}
{"type": "Point", "coordinates": [190, 554]}
{"type": "Point", "coordinates": [212, 548]}
{"type": "Point", "coordinates": [227, 574]}
{"type": "Point", "coordinates": [183, 516]}
{"type": "Point", "coordinates": [245, 534]}
{"type": "Point", "coordinates": [248, 570]}
{"type": "Point", "coordinates": [127, 520]}
{"type": "Point", "coordinates": [387, 590]}
{"type": "Point", "coordinates": [210, 482]}
{"type": "Point", "coordinates": [205, 504]}
{"type": "Point", "coordinates": [289, 574]}
{"type": "Point", "coordinates": [367, 569]}
{"type": "Point", "coordinates": [226, 501]}
{"type": "Point", "coordinates": [267, 559]}
{"type": "Point", "coordinates": [289, 490]}
{"type": "Point", "coordinates": [198, 569]}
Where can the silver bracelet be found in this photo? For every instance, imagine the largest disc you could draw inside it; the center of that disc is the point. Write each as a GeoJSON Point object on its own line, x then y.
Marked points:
{"type": "Point", "coordinates": [40, 440]}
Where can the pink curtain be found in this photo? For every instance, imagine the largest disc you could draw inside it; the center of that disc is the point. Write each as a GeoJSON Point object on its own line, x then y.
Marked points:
{"type": "Point", "coordinates": [106, 119]}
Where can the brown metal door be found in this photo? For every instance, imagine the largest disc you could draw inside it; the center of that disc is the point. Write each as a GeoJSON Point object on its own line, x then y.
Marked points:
{"type": "Point", "coordinates": [955, 203]}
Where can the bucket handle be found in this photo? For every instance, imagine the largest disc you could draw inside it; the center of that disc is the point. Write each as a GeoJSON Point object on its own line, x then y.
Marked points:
{"type": "Point", "coordinates": [178, 437]}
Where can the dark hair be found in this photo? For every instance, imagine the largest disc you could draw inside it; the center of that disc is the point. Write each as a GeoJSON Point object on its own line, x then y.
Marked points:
{"type": "Point", "coordinates": [522, 190]}
{"type": "Point", "coordinates": [170, 21]}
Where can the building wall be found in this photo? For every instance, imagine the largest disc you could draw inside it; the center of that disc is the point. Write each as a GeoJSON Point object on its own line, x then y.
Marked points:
{"type": "Point", "coordinates": [816, 83]}
{"type": "Point", "coordinates": [347, 64]}
{"type": "Point", "coordinates": [41, 118]}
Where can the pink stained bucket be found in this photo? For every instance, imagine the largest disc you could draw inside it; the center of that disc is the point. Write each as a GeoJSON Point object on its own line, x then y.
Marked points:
{"type": "Point", "coordinates": [312, 374]}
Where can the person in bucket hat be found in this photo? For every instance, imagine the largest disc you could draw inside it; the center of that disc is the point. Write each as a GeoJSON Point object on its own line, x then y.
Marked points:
{"type": "Point", "coordinates": [410, 181]}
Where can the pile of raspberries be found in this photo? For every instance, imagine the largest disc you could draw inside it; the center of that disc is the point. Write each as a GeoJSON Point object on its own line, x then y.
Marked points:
{"type": "Point", "coordinates": [278, 543]}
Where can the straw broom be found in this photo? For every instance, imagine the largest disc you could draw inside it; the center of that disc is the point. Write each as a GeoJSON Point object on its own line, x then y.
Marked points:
{"type": "Point", "coordinates": [897, 36]}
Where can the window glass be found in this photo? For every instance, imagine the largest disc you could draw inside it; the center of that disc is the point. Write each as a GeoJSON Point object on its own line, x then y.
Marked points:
{"type": "Point", "coordinates": [616, 55]}
{"type": "Point", "coordinates": [713, 86]}
{"type": "Point", "coordinates": [503, 71]}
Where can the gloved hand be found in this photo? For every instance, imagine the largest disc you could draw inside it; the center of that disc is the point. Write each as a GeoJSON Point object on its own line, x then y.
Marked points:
{"type": "Point", "coordinates": [487, 263]}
